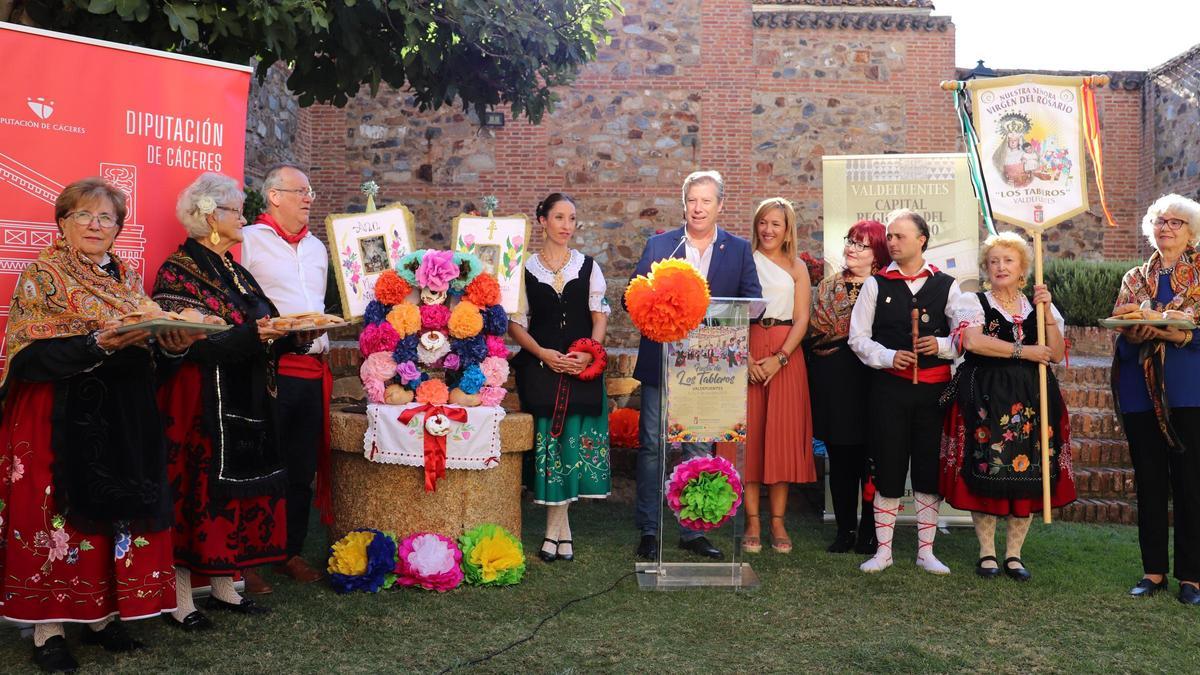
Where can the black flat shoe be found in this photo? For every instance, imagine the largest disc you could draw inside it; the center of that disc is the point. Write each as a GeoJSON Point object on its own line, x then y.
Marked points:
{"type": "Point", "coordinates": [1146, 588]}
{"type": "Point", "coordinates": [195, 621]}
{"type": "Point", "coordinates": [987, 572]}
{"type": "Point", "coordinates": [54, 657]}
{"type": "Point", "coordinates": [1189, 594]}
{"type": "Point", "coordinates": [1016, 573]}
{"type": "Point", "coordinates": [114, 638]}
{"type": "Point", "coordinates": [842, 543]}
{"type": "Point", "coordinates": [567, 557]}
{"type": "Point", "coordinates": [247, 606]}
{"type": "Point", "coordinates": [648, 547]}
{"type": "Point", "coordinates": [866, 543]}
{"type": "Point", "coordinates": [701, 546]}
{"type": "Point", "coordinates": [545, 555]}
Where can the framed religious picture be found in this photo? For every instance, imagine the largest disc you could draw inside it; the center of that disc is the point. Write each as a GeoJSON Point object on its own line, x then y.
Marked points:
{"type": "Point", "coordinates": [363, 245]}
{"type": "Point", "coordinates": [501, 243]}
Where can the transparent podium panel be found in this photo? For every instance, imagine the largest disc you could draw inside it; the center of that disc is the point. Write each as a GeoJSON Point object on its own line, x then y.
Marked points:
{"type": "Point", "coordinates": [703, 414]}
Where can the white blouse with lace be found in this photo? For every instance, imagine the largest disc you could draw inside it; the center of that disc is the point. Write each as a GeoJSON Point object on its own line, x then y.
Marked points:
{"type": "Point", "coordinates": [558, 281]}
{"type": "Point", "coordinates": [967, 310]}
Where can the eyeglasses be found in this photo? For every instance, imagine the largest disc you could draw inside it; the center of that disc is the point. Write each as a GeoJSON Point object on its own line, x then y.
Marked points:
{"type": "Point", "coordinates": [232, 210]}
{"type": "Point", "coordinates": [303, 192]}
{"type": "Point", "coordinates": [1173, 223]}
{"type": "Point", "coordinates": [856, 246]}
{"type": "Point", "coordinates": [85, 218]}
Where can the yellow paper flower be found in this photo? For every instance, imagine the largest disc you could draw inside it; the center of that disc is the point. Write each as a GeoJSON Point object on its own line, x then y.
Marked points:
{"type": "Point", "coordinates": [495, 554]}
{"type": "Point", "coordinates": [405, 318]}
{"type": "Point", "coordinates": [350, 554]}
{"type": "Point", "coordinates": [465, 320]}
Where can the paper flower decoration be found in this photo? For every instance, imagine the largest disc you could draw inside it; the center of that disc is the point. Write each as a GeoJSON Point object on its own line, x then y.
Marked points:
{"type": "Point", "coordinates": [407, 372]}
{"type": "Point", "coordinates": [378, 338]}
{"type": "Point", "coordinates": [491, 556]}
{"type": "Point", "coordinates": [495, 320]}
{"type": "Point", "coordinates": [429, 561]}
{"type": "Point", "coordinates": [491, 396]}
{"type": "Point", "coordinates": [496, 346]}
{"type": "Point", "coordinates": [704, 492]}
{"type": "Point", "coordinates": [470, 350]}
{"type": "Point", "coordinates": [375, 312]}
{"type": "Point", "coordinates": [436, 270]}
{"type": "Point", "coordinates": [377, 366]}
{"type": "Point", "coordinates": [465, 320]}
{"type": "Point", "coordinates": [484, 291]}
{"type": "Point", "coordinates": [375, 390]}
{"type": "Point", "coordinates": [405, 319]}
{"type": "Point", "coordinates": [495, 371]}
{"type": "Point", "coordinates": [623, 427]}
{"type": "Point", "coordinates": [433, 391]}
{"type": "Point", "coordinates": [472, 380]}
{"type": "Point", "coordinates": [451, 362]}
{"type": "Point", "coordinates": [390, 289]}
{"type": "Point", "coordinates": [434, 317]}
{"type": "Point", "coordinates": [408, 266]}
{"type": "Point", "coordinates": [469, 267]}
{"type": "Point", "coordinates": [406, 349]}
{"type": "Point", "coordinates": [363, 560]}
{"type": "Point", "coordinates": [668, 303]}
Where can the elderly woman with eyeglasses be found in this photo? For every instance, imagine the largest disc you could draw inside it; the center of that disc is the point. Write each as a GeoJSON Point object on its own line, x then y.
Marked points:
{"type": "Point", "coordinates": [1158, 395]}
{"type": "Point", "coordinates": [84, 512]}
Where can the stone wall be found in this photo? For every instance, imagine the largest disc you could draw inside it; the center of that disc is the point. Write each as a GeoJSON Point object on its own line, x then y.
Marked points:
{"type": "Point", "coordinates": [274, 132]}
{"type": "Point", "coordinates": [1173, 127]}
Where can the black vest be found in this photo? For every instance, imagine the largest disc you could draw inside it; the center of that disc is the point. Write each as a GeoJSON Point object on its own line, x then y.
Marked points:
{"type": "Point", "coordinates": [556, 321]}
{"type": "Point", "coordinates": [893, 314]}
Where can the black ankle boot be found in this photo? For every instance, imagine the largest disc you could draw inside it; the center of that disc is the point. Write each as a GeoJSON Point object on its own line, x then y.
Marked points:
{"type": "Point", "coordinates": [843, 542]}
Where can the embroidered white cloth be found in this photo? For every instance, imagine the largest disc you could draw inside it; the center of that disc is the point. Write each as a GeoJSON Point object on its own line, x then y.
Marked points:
{"type": "Point", "coordinates": [474, 444]}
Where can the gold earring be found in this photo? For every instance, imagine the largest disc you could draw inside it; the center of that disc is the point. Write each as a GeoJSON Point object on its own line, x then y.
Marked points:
{"type": "Point", "coordinates": [215, 237]}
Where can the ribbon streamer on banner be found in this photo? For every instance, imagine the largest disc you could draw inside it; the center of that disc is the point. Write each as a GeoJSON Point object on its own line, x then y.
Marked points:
{"type": "Point", "coordinates": [972, 143]}
{"type": "Point", "coordinates": [1091, 138]}
{"type": "Point", "coordinates": [434, 445]}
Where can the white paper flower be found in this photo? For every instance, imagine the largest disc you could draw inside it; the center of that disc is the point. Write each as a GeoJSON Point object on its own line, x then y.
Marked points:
{"type": "Point", "coordinates": [430, 555]}
{"type": "Point", "coordinates": [206, 205]}
{"type": "Point", "coordinates": [438, 425]}
{"type": "Point", "coordinates": [429, 297]}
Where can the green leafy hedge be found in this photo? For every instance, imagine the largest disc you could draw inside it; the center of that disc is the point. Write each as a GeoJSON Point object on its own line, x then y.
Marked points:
{"type": "Point", "coordinates": [1085, 290]}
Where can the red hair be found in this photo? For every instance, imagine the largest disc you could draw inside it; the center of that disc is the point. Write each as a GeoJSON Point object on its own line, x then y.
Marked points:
{"type": "Point", "coordinates": [876, 236]}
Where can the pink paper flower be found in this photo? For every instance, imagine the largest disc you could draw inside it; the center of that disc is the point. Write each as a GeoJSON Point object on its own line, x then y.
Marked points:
{"type": "Point", "coordinates": [495, 370]}
{"type": "Point", "coordinates": [378, 338]}
{"type": "Point", "coordinates": [374, 389]}
{"type": "Point", "coordinates": [408, 371]}
{"type": "Point", "coordinates": [378, 366]}
{"type": "Point", "coordinates": [495, 346]}
{"type": "Point", "coordinates": [452, 362]}
{"type": "Point", "coordinates": [434, 317]}
{"type": "Point", "coordinates": [692, 468]}
{"type": "Point", "coordinates": [437, 270]}
{"type": "Point", "coordinates": [430, 561]}
{"type": "Point", "coordinates": [491, 396]}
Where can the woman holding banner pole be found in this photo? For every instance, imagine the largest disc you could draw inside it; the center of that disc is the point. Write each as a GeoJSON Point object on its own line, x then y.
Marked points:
{"type": "Point", "coordinates": [778, 419]}
{"type": "Point", "coordinates": [838, 384]}
{"type": "Point", "coordinates": [991, 449]}
{"type": "Point", "coordinates": [1158, 393]}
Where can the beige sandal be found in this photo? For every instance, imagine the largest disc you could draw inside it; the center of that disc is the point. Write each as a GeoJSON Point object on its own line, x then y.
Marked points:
{"type": "Point", "coordinates": [780, 544]}
{"type": "Point", "coordinates": [752, 544]}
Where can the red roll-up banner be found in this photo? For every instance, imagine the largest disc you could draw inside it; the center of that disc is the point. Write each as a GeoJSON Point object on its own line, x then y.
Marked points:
{"type": "Point", "coordinates": [147, 121]}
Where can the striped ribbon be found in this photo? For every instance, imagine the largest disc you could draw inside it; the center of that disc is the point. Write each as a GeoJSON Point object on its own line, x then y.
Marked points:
{"type": "Point", "coordinates": [972, 143]}
{"type": "Point", "coordinates": [1091, 138]}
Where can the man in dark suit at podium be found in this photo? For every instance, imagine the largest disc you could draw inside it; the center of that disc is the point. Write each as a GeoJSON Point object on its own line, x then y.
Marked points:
{"type": "Point", "coordinates": [726, 262]}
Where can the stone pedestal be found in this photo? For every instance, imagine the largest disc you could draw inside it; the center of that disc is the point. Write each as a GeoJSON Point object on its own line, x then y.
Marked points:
{"type": "Point", "coordinates": [391, 497]}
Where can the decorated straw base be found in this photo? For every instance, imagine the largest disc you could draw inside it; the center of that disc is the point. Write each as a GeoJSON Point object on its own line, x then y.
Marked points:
{"type": "Point", "coordinates": [393, 498]}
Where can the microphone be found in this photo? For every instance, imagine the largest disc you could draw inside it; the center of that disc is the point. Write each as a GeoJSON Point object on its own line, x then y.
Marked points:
{"type": "Point", "coordinates": [681, 241]}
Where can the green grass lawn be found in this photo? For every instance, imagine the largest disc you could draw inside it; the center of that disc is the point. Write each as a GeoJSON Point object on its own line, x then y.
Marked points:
{"type": "Point", "coordinates": [814, 612]}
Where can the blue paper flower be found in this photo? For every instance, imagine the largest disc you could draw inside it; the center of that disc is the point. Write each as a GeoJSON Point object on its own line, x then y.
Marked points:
{"type": "Point", "coordinates": [407, 267]}
{"type": "Point", "coordinates": [375, 313]}
{"type": "Point", "coordinates": [470, 350]}
{"type": "Point", "coordinates": [406, 349]}
{"type": "Point", "coordinates": [495, 320]}
{"type": "Point", "coordinates": [380, 567]}
{"type": "Point", "coordinates": [472, 380]}
{"type": "Point", "coordinates": [413, 384]}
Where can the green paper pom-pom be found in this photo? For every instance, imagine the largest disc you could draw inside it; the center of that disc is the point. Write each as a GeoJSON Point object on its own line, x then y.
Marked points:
{"type": "Point", "coordinates": [491, 556]}
{"type": "Point", "coordinates": [707, 497]}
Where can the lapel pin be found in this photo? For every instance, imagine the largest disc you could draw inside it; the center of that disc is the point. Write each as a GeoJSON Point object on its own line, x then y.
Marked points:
{"type": "Point", "coordinates": [888, 299]}
{"type": "Point", "coordinates": [722, 247]}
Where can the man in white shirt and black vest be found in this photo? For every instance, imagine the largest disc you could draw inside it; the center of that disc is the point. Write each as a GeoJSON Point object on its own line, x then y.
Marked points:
{"type": "Point", "coordinates": [292, 266]}
{"type": "Point", "coordinates": [906, 420]}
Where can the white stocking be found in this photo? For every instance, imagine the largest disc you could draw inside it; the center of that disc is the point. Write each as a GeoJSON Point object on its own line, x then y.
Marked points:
{"type": "Point", "coordinates": [223, 590]}
{"type": "Point", "coordinates": [885, 509]}
{"type": "Point", "coordinates": [927, 520]}
{"type": "Point", "coordinates": [45, 631]}
{"type": "Point", "coordinates": [184, 604]}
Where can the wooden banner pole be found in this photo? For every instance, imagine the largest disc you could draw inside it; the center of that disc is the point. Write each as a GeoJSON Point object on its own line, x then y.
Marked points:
{"type": "Point", "coordinates": [1043, 397]}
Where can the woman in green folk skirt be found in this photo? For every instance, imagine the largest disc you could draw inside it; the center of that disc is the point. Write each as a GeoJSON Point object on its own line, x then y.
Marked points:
{"type": "Point", "coordinates": [560, 373]}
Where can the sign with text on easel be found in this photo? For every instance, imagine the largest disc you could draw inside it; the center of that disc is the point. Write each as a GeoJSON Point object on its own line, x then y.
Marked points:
{"type": "Point", "coordinates": [363, 245]}
{"type": "Point", "coordinates": [705, 385]}
{"type": "Point", "coordinates": [502, 244]}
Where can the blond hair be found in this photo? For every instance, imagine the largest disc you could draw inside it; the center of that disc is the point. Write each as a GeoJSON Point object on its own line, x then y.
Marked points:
{"type": "Point", "coordinates": [1009, 240]}
{"type": "Point", "coordinates": [788, 248]}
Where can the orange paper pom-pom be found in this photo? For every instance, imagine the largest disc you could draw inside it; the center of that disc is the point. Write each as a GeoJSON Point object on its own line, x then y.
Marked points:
{"type": "Point", "coordinates": [668, 303]}
{"type": "Point", "coordinates": [405, 318]}
{"type": "Point", "coordinates": [465, 320]}
{"type": "Point", "coordinates": [623, 427]}
{"type": "Point", "coordinates": [433, 391]}
{"type": "Point", "coordinates": [390, 289]}
{"type": "Point", "coordinates": [484, 291]}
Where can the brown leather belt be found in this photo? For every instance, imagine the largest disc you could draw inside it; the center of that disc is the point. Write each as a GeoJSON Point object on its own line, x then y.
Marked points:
{"type": "Point", "coordinates": [771, 323]}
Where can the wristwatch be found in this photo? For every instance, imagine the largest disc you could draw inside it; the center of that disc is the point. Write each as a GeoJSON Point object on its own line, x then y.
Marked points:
{"type": "Point", "coordinates": [783, 358]}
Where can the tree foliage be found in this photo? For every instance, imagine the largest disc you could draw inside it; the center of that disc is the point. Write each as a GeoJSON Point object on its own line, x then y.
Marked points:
{"type": "Point", "coordinates": [481, 53]}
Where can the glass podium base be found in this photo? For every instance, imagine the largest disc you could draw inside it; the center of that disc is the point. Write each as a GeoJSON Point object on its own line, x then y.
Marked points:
{"type": "Point", "coordinates": [679, 576]}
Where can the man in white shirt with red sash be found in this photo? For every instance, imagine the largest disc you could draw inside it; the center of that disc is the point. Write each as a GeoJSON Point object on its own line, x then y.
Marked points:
{"type": "Point", "coordinates": [292, 266]}
{"type": "Point", "coordinates": [905, 418]}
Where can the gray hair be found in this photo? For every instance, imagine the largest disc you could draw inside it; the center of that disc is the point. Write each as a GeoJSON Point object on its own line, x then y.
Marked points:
{"type": "Point", "coordinates": [1180, 206]}
{"type": "Point", "coordinates": [219, 187]}
{"type": "Point", "coordinates": [713, 177]}
{"type": "Point", "coordinates": [273, 180]}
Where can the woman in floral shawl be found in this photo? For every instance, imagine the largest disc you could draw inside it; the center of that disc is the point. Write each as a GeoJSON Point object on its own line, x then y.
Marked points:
{"type": "Point", "coordinates": [224, 463]}
{"type": "Point", "coordinates": [838, 384]}
{"type": "Point", "coordinates": [1156, 375]}
{"type": "Point", "coordinates": [84, 511]}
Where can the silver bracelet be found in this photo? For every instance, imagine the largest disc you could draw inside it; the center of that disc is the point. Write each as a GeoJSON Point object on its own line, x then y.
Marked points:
{"type": "Point", "coordinates": [1017, 346]}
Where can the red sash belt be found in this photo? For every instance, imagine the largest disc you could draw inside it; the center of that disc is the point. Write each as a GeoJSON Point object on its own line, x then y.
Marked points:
{"type": "Point", "coordinates": [934, 375]}
{"type": "Point", "coordinates": [314, 367]}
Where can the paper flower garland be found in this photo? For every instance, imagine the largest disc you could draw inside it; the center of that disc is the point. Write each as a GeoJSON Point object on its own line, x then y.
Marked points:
{"type": "Point", "coordinates": [623, 427]}
{"type": "Point", "coordinates": [704, 492]}
{"type": "Point", "coordinates": [668, 303]}
{"type": "Point", "coordinates": [491, 556]}
{"type": "Point", "coordinates": [363, 560]}
{"type": "Point", "coordinates": [429, 561]}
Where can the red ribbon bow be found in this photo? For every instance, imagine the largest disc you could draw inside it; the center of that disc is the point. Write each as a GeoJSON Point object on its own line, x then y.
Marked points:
{"type": "Point", "coordinates": [435, 446]}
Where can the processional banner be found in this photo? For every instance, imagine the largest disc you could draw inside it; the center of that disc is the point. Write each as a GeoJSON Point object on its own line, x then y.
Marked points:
{"type": "Point", "coordinates": [149, 122]}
